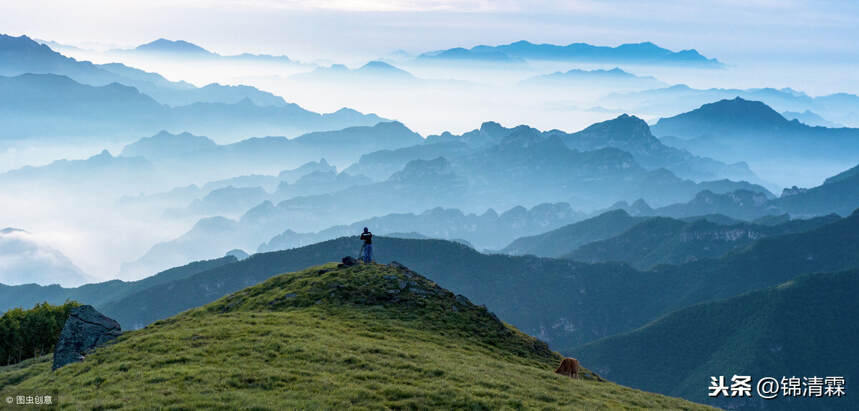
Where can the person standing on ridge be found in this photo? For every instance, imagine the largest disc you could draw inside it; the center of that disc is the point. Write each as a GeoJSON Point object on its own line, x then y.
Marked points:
{"type": "Point", "coordinates": [367, 248]}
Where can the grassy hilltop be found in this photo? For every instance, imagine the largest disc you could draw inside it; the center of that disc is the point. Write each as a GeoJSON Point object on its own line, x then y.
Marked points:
{"type": "Point", "coordinates": [367, 336]}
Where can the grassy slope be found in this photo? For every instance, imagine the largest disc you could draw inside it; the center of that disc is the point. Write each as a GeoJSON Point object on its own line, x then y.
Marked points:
{"type": "Point", "coordinates": [804, 327]}
{"type": "Point", "coordinates": [365, 337]}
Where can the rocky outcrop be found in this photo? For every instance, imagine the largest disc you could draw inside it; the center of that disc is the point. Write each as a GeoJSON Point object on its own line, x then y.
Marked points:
{"type": "Point", "coordinates": [85, 329]}
{"type": "Point", "coordinates": [348, 261]}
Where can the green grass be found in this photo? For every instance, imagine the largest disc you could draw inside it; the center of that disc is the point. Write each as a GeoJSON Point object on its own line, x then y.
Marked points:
{"type": "Point", "coordinates": [365, 337]}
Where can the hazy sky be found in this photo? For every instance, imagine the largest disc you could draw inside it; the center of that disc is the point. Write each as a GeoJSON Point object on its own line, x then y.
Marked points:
{"type": "Point", "coordinates": [731, 30]}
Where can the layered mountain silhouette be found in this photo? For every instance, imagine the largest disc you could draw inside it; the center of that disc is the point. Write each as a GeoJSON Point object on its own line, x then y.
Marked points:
{"type": "Point", "coordinates": [489, 133]}
{"type": "Point", "coordinates": [192, 155]}
{"type": "Point", "coordinates": [181, 49]}
{"type": "Point", "coordinates": [41, 82]}
{"type": "Point", "coordinates": [537, 165]}
{"type": "Point", "coordinates": [178, 47]}
{"type": "Point", "coordinates": [291, 176]}
{"type": "Point", "coordinates": [380, 165]}
{"type": "Point", "coordinates": [631, 134]}
{"type": "Point", "coordinates": [838, 195]}
{"type": "Point", "coordinates": [100, 173]}
{"type": "Point", "coordinates": [419, 184]}
{"type": "Point", "coordinates": [641, 53]}
{"type": "Point", "coordinates": [485, 231]}
{"type": "Point", "coordinates": [47, 105]}
{"type": "Point", "coordinates": [763, 333]}
{"type": "Point", "coordinates": [103, 292]}
{"type": "Point", "coordinates": [739, 128]}
{"type": "Point", "coordinates": [372, 71]}
{"type": "Point", "coordinates": [23, 55]}
{"type": "Point", "coordinates": [840, 107]}
{"type": "Point", "coordinates": [558, 242]}
{"type": "Point", "coordinates": [614, 78]}
{"type": "Point", "coordinates": [810, 118]}
{"type": "Point", "coordinates": [664, 240]}
{"type": "Point", "coordinates": [627, 133]}
{"type": "Point", "coordinates": [529, 292]}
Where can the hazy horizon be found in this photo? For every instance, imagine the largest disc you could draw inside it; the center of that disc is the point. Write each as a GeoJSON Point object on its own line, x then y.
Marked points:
{"type": "Point", "coordinates": [795, 37]}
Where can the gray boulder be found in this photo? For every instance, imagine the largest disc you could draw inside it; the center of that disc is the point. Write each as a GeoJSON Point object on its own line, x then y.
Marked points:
{"type": "Point", "coordinates": [85, 329]}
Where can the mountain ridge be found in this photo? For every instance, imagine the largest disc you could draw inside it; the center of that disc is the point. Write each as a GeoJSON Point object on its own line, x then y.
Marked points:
{"type": "Point", "coordinates": [643, 53]}
{"type": "Point", "coordinates": [397, 334]}
{"type": "Point", "coordinates": [760, 333]}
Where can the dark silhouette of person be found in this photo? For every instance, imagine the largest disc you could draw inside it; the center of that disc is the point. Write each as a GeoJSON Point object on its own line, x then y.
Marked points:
{"type": "Point", "coordinates": [367, 248]}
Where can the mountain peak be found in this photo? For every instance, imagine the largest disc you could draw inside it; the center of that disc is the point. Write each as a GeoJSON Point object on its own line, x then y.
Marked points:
{"type": "Point", "coordinates": [11, 42]}
{"type": "Point", "coordinates": [163, 45]}
{"type": "Point", "coordinates": [622, 127]}
{"type": "Point", "coordinates": [103, 155]}
{"type": "Point", "coordinates": [490, 127]}
{"type": "Point", "coordinates": [718, 116]}
{"type": "Point", "coordinates": [395, 290]}
{"type": "Point", "coordinates": [377, 67]}
{"type": "Point", "coordinates": [422, 169]}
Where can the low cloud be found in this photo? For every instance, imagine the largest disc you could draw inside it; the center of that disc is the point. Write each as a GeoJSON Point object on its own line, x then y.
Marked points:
{"type": "Point", "coordinates": [25, 259]}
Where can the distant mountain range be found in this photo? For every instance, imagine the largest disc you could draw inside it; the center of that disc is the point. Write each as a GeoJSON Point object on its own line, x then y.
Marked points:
{"type": "Point", "coordinates": [145, 165]}
{"type": "Point", "coordinates": [739, 128]}
{"type": "Point", "coordinates": [381, 165]}
{"type": "Point", "coordinates": [560, 241]}
{"type": "Point", "coordinates": [763, 333]}
{"type": "Point", "coordinates": [184, 195]}
{"type": "Point", "coordinates": [614, 78]}
{"type": "Point", "coordinates": [488, 230]}
{"type": "Point", "coordinates": [664, 240]}
{"type": "Point", "coordinates": [21, 55]}
{"type": "Point", "coordinates": [181, 49]}
{"type": "Point", "coordinates": [51, 94]}
{"type": "Point", "coordinates": [192, 155]}
{"type": "Point", "coordinates": [536, 165]}
{"type": "Point", "coordinates": [810, 118]}
{"type": "Point", "coordinates": [529, 292]}
{"type": "Point", "coordinates": [101, 293]}
{"type": "Point", "coordinates": [97, 174]}
{"type": "Point", "coordinates": [419, 185]}
{"type": "Point", "coordinates": [26, 259]}
{"type": "Point", "coordinates": [841, 108]}
{"type": "Point", "coordinates": [520, 51]}
{"type": "Point", "coordinates": [839, 194]}
{"type": "Point", "coordinates": [372, 71]}
{"type": "Point", "coordinates": [631, 134]}
{"type": "Point", "coordinates": [47, 105]}
{"type": "Point", "coordinates": [609, 235]}
{"type": "Point", "coordinates": [627, 133]}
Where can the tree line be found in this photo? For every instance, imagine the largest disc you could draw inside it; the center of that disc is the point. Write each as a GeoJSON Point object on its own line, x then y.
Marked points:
{"type": "Point", "coordinates": [31, 333]}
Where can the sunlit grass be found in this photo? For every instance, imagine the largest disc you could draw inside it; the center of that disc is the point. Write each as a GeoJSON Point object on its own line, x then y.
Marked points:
{"type": "Point", "coordinates": [327, 340]}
